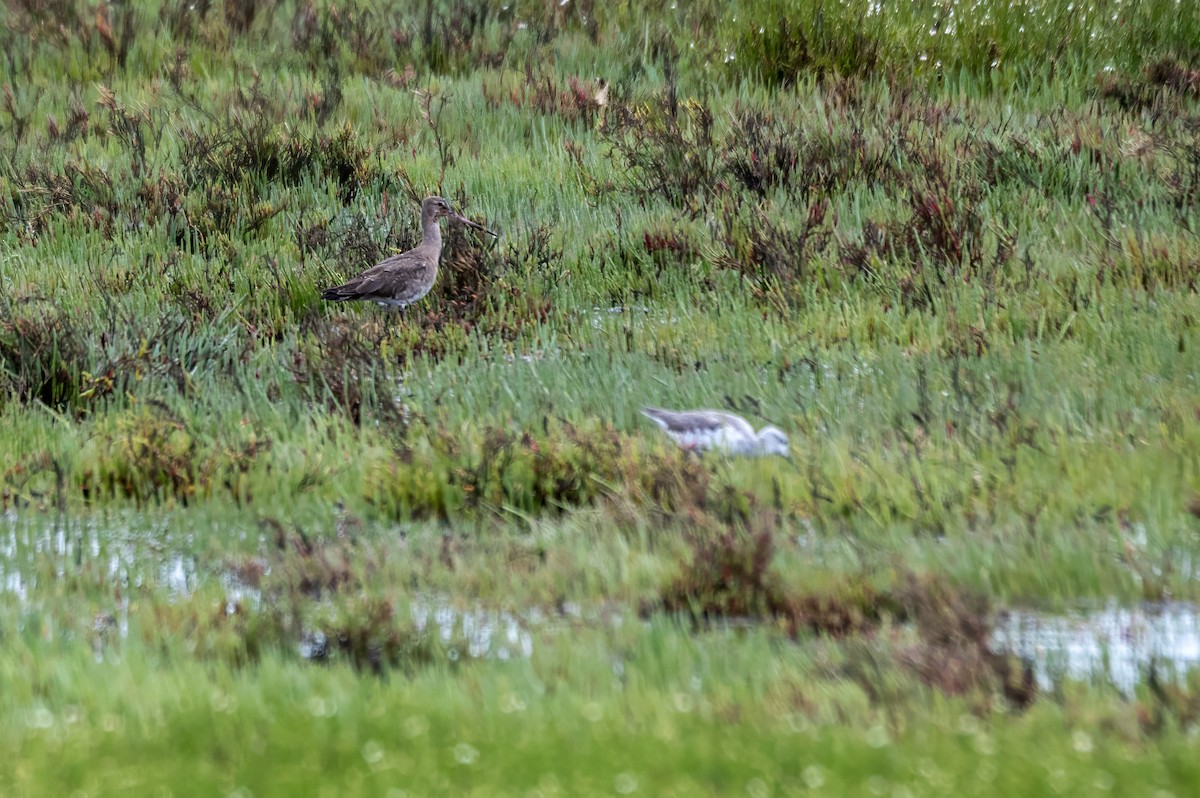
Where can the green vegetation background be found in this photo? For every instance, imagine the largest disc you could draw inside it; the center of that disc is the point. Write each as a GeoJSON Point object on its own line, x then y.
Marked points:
{"type": "Point", "coordinates": [950, 248]}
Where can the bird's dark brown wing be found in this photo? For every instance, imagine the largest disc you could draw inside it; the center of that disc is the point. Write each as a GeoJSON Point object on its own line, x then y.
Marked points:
{"type": "Point", "coordinates": [398, 277]}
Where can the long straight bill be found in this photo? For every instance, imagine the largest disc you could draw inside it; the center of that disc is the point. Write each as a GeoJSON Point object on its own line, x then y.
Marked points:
{"type": "Point", "coordinates": [473, 224]}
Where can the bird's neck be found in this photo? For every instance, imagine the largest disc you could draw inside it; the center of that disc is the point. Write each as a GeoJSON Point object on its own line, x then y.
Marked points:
{"type": "Point", "coordinates": [431, 232]}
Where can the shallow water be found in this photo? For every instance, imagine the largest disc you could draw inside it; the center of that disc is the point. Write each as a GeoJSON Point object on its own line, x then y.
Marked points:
{"type": "Point", "coordinates": [1113, 644]}
{"type": "Point", "coordinates": [477, 633]}
{"type": "Point", "coordinates": [1105, 643]}
{"type": "Point", "coordinates": [487, 633]}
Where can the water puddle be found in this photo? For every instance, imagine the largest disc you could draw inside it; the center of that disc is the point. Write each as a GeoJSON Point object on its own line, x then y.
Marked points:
{"type": "Point", "coordinates": [477, 632]}
{"type": "Point", "coordinates": [129, 554]}
{"type": "Point", "coordinates": [1108, 644]}
{"type": "Point", "coordinates": [637, 315]}
{"type": "Point", "coordinates": [487, 633]}
{"type": "Point", "coordinates": [1116, 645]}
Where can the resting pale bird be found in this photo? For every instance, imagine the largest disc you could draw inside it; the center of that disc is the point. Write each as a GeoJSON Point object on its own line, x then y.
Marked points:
{"type": "Point", "coordinates": [713, 430]}
{"type": "Point", "coordinates": [402, 279]}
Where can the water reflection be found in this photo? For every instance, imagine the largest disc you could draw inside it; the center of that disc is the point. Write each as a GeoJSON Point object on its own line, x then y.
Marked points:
{"type": "Point", "coordinates": [1108, 644]}
{"type": "Point", "coordinates": [1114, 644]}
{"type": "Point", "coordinates": [130, 553]}
{"type": "Point", "coordinates": [487, 633]}
{"type": "Point", "coordinates": [482, 633]}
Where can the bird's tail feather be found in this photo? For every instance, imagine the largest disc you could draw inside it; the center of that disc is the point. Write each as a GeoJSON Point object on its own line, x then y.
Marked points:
{"type": "Point", "coordinates": [655, 415]}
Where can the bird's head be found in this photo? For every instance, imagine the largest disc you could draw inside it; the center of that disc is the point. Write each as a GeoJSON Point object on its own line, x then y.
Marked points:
{"type": "Point", "coordinates": [774, 441]}
{"type": "Point", "coordinates": [435, 208]}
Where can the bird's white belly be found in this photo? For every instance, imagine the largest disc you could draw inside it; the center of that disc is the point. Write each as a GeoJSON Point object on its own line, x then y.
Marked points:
{"type": "Point", "coordinates": [722, 439]}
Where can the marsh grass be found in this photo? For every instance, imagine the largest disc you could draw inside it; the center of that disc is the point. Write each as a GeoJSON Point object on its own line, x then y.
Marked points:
{"type": "Point", "coordinates": [950, 250]}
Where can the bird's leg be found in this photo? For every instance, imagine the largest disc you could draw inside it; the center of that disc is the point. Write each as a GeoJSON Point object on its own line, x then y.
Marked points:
{"type": "Point", "coordinates": [395, 321]}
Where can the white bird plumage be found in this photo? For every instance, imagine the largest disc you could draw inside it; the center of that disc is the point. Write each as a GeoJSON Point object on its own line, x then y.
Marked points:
{"type": "Point", "coordinates": [714, 430]}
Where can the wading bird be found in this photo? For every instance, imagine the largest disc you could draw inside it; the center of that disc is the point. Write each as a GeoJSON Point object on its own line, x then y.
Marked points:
{"type": "Point", "coordinates": [713, 430]}
{"type": "Point", "coordinates": [402, 279]}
